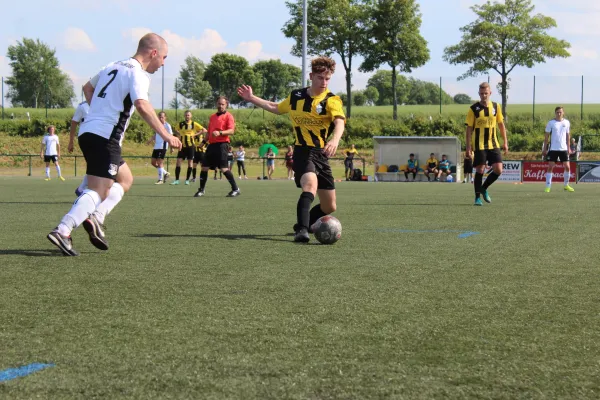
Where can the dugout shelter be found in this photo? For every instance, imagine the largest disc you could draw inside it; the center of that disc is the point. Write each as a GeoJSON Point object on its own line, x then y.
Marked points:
{"type": "Point", "coordinates": [391, 152]}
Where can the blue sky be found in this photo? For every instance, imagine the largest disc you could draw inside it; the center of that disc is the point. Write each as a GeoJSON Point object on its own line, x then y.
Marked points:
{"type": "Point", "coordinates": [89, 34]}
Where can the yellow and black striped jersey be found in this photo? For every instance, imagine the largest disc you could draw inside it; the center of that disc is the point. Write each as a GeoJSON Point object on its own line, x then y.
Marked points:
{"type": "Point", "coordinates": [187, 132]}
{"type": "Point", "coordinates": [198, 143]}
{"type": "Point", "coordinates": [312, 117]}
{"type": "Point", "coordinates": [483, 121]}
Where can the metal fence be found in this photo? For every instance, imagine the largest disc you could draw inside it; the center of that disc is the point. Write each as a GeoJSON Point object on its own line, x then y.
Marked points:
{"type": "Point", "coordinates": [530, 93]}
{"type": "Point", "coordinates": [140, 164]}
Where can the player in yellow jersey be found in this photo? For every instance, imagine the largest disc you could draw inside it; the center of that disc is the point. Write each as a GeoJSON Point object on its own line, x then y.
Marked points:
{"type": "Point", "coordinates": [187, 130]}
{"type": "Point", "coordinates": [482, 118]}
{"type": "Point", "coordinates": [349, 162]}
{"type": "Point", "coordinates": [318, 120]}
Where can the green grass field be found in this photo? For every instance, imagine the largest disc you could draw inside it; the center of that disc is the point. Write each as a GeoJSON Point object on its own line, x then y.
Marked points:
{"type": "Point", "coordinates": [210, 299]}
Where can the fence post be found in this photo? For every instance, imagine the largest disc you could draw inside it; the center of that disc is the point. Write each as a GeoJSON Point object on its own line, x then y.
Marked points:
{"type": "Point", "coordinates": [263, 174]}
{"type": "Point", "coordinates": [363, 167]}
{"type": "Point", "coordinates": [168, 163]}
{"type": "Point", "coordinates": [440, 95]}
{"type": "Point", "coordinates": [582, 97]}
{"type": "Point", "coordinates": [75, 166]}
{"type": "Point", "coordinates": [2, 97]}
{"type": "Point", "coordinates": [29, 166]}
{"type": "Point", "coordinates": [533, 117]}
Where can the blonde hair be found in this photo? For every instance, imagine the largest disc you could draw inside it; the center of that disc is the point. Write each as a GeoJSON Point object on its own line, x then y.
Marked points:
{"type": "Point", "coordinates": [484, 85]}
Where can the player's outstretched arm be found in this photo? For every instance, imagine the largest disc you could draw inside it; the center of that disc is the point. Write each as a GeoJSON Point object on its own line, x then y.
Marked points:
{"type": "Point", "coordinates": [245, 92]}
{"type": "Point", "coordinates": [149, 115]}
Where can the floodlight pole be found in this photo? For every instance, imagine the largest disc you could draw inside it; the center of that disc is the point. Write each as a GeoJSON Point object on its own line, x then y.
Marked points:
{"type": "Point", "coordinates": [304, 39]}
{"type": "Point", "coordinates": [2, 97]}
{"type": "Point", "coordinates": [163, 89]}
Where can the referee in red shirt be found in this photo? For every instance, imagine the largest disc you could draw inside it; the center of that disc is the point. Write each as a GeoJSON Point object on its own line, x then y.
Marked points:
{"type": "Point", "coordinates": [220, 127]}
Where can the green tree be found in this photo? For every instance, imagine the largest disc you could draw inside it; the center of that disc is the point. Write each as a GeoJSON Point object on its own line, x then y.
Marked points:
{"type": "Point", "coordinates": [423, 92]}
{"type": "Point", "coordinates": [503, 36]}
{"type": "Point", "coordinates": [372, 95]}
{"type": "Point", "coordinates": [462, 98]}
{"type": "Point", "coordinates": [382, 82]}
{"type": "Point", "coordinates": [36, 75]}
{"type": "Point", "coordinates": [395, 39]}
{"type": "Point", "coordinates": [334, 27]}
{"type": "Point", "coordinates": [344, 97]}
{"type": "Point", "coordinates": [191, 83]}
{"type": "Point", "coordinates": [276, 79]}
{"type": "Point", "coordinates": [359, 98]}
{"type": "Point", "coordinates": [226, 72]}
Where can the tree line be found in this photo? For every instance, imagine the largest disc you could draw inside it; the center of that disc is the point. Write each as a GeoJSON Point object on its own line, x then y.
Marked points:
{"type": "Point", "coordinates": [384, 33]}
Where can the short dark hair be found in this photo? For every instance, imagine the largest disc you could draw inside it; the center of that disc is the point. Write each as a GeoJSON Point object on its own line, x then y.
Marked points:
{"type": "Point", "coordinates": [558, 108]}
{"type": "Point", "coordinates": [432, 154]}
{"type": "Point", "coordinates": [443, 155]}
{"type": "Point", "coordinates": [412, 155]}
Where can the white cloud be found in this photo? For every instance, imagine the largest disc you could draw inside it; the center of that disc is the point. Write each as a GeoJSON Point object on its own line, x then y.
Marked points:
{"type": "Point", "coordinates": [77, 39]}
{"type": "Point", "coordinates": [252, 51]}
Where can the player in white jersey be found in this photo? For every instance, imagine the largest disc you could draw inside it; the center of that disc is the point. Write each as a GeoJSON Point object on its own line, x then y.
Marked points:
{"type": "Point", "coordinates": [558, 130]}
{"type": "Point", "coordinates": [81, 112]}
{"type": "Point", "coordinates": [51, 152]}
{"type": "Point", "coordinates": [112, 95]}
{"type": "Point", "coordinates": [160, 150]}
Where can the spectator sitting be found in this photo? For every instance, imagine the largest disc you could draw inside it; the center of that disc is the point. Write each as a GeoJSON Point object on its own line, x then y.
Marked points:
{"type": "Point", "coordinates": [444, 167]}
{"type": "Point", "coordinates": [432, 167]}
{"type": "Point", "coordinates": [412, 166]}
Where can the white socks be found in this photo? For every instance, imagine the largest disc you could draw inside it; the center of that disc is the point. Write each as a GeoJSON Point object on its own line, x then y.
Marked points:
{"type": "Point", "coordinates": [85, 205]}
{"type": "Point", "coordinates": [58, 170]}
{"type": "Point", "coordinates": [161, 173]}
{"type": "Point", "coordinates": [47, 172]}
{"type": "Point", "coordinates": [114, 197]}
{"type": "Point", "coordinates": [567, 176]}
{"type": "Point", "coordinates": [548, 179]}
{"type": "Point", "coordinates": [83, 184]}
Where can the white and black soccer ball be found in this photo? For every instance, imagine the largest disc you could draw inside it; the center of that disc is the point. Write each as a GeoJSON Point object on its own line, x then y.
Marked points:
{"type": "Point", "coordinates": [327, 229]}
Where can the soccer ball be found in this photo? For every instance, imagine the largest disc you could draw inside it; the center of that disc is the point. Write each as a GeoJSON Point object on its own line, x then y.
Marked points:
{"type": "Point", "coordinates": [327, 229]}
{"type": "Point", "coordinates": [449, 178]}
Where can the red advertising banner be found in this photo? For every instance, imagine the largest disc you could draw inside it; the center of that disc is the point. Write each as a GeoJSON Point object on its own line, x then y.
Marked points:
{"type": "Point", "coordinates": [535, 171]}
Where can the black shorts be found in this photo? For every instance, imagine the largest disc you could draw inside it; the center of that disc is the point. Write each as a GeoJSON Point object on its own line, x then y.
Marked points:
{"type": "Point", "coordinates": [445, 171]}
{"type": "Point", "coordinates": [349, 164]}
{"type": "Point", "coordinates": [159, 153]}
{"type": "Point", "coordinates": [492, 157]}
{"type": "Point", "coordinates": [103, 156]}
{"type": "Point", "coordinates": [308, 159]}
{"type": "Point", "coordinates": [50, 158]}
{"type": "Point", "coordinates": [216, 156]}
{"type": "Point", "coordinates": [187, 153]}
{"type": "Point", "coordinates": [560, 156]}
{"type": "Point", "coordinates": [468, 165]}
{"type": "Point", "coordinates": [199, 157]}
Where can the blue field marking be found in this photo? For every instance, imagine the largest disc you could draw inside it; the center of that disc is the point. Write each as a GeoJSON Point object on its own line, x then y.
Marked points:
{"type": "Point", "coordinates": [14, 373]}
{"type": "Point", "coordinates": [462, 234]}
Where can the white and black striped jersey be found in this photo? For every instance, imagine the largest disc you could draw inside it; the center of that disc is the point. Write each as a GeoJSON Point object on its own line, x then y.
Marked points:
{"type": "Point", "coordinates": [116, 87]}
{"type": "Point", "coordinates": [159, 142]}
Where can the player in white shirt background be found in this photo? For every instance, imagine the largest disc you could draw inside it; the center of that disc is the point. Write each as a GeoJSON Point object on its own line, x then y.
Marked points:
{"type": "Point", "coordinates": [113, 95]}
{"type": "Point", "coordinates": [81, 112]}
{"type": "Point", "coordinates": [51, 152]}
{"type": "Point", "coordinates": [558, 130]}
{"type": "Point", "coordinates": [160, 150]}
